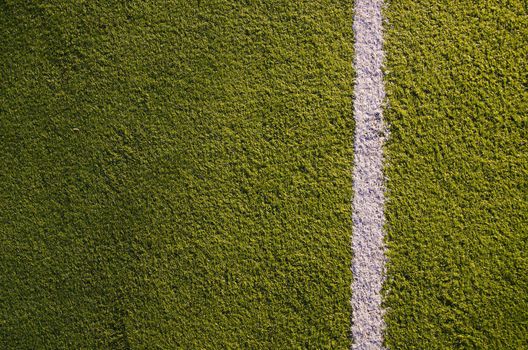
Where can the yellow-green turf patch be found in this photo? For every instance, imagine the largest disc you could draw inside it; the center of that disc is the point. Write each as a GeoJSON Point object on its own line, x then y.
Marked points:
{"type": "Point", "coordinates": [458, 174]}
{"type": "Point", "coordinates": [177, 174]}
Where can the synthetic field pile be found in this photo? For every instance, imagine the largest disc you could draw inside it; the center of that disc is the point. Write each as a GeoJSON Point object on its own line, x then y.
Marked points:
{"type": "Point", "coordinates": [178, 174]}
{"type": "Point", "coordinates": [457, 174]}
{"type": "Point", "coordinates": [175, 174]}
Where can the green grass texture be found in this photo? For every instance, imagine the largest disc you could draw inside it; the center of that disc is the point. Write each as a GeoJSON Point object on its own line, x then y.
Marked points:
{"type": "Point", "coordinates": [176, 174]}
{"type": "Point", "coordinates": [457, 174]}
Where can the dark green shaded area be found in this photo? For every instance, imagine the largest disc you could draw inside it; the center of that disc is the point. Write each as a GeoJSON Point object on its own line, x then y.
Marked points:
{"type": "Point", "coordinates": [175, 174]}
{"type": "Point", "coordinates": [458, 174]}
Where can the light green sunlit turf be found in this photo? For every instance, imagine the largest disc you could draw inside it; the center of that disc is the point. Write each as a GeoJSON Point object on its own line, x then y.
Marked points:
{"type": "Point", "coordinates": [175, 174]}
{"type": "Point", "coordinates": [458, 174]}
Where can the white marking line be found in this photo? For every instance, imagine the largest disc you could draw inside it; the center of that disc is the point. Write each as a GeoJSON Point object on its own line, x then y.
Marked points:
{"type": "Point", "coordinates": [368, 263]}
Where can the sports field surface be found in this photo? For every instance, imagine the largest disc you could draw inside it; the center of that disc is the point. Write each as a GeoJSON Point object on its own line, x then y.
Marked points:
{"type": "Point", "coordinates": [180, 175]}
{"type": "Point", "coordinates": [176, 174]}
{"type": "Point", "coordinates": [457, 174]}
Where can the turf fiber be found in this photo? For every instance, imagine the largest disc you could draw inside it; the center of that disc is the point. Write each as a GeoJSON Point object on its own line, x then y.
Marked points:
{"type": "Point", "coordinates": [175, 174]}
{"type": "Point", "coordinates": [457, 174]}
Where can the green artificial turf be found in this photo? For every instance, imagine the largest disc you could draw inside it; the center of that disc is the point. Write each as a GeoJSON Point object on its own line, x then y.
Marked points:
{"type": "Point", "coordinates": [457, 174]}
{"type": "Point", "coordinates": [176, 174]}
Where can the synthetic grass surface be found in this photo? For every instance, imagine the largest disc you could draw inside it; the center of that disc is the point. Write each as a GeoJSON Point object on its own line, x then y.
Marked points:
{"type": "Point", "coordinates": [457, 174]}
{"type": "Point", "coordinates": [175, 174]}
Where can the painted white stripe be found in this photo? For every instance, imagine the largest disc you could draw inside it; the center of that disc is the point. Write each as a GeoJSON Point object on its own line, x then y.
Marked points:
{"type": "Point", "coordinates": [368, 263]}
